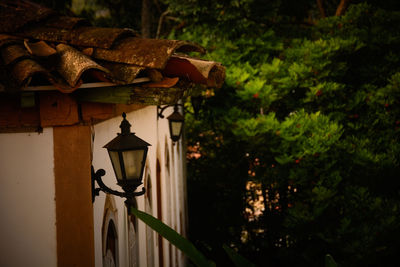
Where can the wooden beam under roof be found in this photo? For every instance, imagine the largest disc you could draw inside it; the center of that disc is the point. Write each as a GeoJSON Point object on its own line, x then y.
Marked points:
{"type": "Point", "coordinates": [83, 86]}
{"type": "Point", "coordinates": [128, 94]}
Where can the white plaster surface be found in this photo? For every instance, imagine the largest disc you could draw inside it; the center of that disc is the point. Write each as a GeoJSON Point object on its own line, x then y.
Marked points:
{"type": "Point", "coordinates": [27, 205]}
{"type": "Point", "coordinates": [144, 124]}
{"type": "Point", "coordinates": [155, 132]}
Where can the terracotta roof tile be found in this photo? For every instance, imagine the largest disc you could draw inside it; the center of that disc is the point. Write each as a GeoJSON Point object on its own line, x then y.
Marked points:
{"type": "Point", "coordinates": [82, 36]}
{"type": "Point", "coordinates": [98, 37]}
{"type": "Point", "coordinates": [39, 47]}
{"type": "Point", "coordinates": [199, 71]}
{"type": "Point", "coordinates": [149, 53]}
{"type": "Point", "coordinates": [81, 63]}
{"type": "Point", "coordinates": [44, 33]}
{"type": "Point", "coordinates": [6, 39]}
{"type": "Point", "coordinates": [13, 52]}
{"type": "Point", "coordinates": [24, 70]}
{"type": "Point", "coordinates": [64, 22]}
{"type": "Point", "coordinates": [16, 14]}
{"type": "Point", "coordinates": [122, 73]}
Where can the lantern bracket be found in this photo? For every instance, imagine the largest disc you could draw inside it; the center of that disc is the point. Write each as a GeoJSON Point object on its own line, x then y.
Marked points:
{"type": "Point", "coordinates": [160, 109]}
{"type": "Point", "coordinates": [96, 177]}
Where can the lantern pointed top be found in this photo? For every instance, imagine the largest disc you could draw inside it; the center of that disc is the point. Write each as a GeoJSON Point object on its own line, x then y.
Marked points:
{"type": "Point", "coordinates": [125, 125]}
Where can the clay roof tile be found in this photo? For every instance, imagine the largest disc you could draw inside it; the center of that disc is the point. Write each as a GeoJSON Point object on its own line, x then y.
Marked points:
{"type": "Point", "coordinates": [149, 53]}
{"type": "Point", "coordinates": [16, 14]}
{"type": "Point", "coordinates": [72, 64]}
{"type": "Point", "coordinates": [39, 46]}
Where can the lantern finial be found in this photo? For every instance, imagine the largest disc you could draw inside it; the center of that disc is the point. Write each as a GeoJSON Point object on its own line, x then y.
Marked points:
{"type": "Point", "coordinates": [125, 125]}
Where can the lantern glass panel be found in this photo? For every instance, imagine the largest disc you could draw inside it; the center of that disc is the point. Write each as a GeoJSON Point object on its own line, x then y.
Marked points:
{"type": "Point", "coordinates": [116, 164]}
{"type": "Point", "coordinates": [133, 163]}
{"type": "Point", "coordinates": [176, 127]}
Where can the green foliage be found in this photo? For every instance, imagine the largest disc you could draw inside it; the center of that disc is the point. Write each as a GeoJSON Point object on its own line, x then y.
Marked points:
{"type": "Point", "coordinates": [236, 258]}
{"type": "Point", "coordinates": [314, 122]}
{"type": "Point", "coordinates": [329, 261]}
{"type": "Point", "coordinates": [235, 17]}
{"type": "Point", "coordinates": [172, 236]}
{"type": "Point", "coordinates": [185, 245]}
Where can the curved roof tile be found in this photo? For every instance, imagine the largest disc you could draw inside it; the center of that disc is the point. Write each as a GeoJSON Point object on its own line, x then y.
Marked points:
{"type": "Point", "coordinates": [24, 70]}
{"type": "Point", "coordinates": [16, 14]}
{"type": "Point", "coordinates": [45, 33]}
{"type": "Point", "coordinates": [149, 53]}
{"type": "Point", "coordinates": [197, 70]}
{"type": "Point", "coordinates": [81, 63]}
{"type": "Point", "coordinates": [40, 49]}
{"type": "Point", "coordinates": [39, 46]}
{"type": "Point", "coordinates": [6, 39]}
{"type": "Point", "coordinates": [13, 52]}
{"type": "Point", "coordinates": [98, 37]}
{"type": "Point", "coordinates": [122, 73]}
{"type": "Point", "coordinates": [64, 22]}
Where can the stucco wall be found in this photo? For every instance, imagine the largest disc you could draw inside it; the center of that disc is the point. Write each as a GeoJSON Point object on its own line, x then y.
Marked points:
{"type": "Point", "coordinates": [27, 193]}
{"type": "Point", "coordinates": [146, 126]}
{"type": "Point", "coordinates": [27, 206]}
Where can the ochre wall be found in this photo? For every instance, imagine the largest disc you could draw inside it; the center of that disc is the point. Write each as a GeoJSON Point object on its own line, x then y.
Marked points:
{"type": "Point", "coordinates": [74, 209]}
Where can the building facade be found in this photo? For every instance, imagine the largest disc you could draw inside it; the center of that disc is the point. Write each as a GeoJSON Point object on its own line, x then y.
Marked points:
{"type": "Point", "coordinates": [46, 197]}
{"type": "Point", "coordinates": [63, 87]}
{"type": "Point", "coordinates": [165, 198]}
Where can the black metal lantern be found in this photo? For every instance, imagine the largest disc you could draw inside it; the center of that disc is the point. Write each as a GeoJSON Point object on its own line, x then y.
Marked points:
{"type": "Point", "coordinates": [197, 102]}
{"type": "Point", "coordinates": [175, 121]}
{"type": "Point", "coordinates": [128, 156]}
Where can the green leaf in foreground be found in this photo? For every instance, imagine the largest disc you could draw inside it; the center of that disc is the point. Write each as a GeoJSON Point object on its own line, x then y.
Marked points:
{"type": "Point", "coordinates": [172, 236]}
{"type": "Point", "coordinates": [237, 259]}
{"type": "Point", "coordinates": [329, 261]}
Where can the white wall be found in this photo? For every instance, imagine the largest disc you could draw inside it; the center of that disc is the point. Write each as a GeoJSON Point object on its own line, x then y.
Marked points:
{"type": "Point", "coordinates": [27, 205]}
{"type": "Point", "coordinates": [27, 192]}
{"type": "Point", "coordinates": [156, 132]}
{"type": "Point", "coordinates": [144, 124]}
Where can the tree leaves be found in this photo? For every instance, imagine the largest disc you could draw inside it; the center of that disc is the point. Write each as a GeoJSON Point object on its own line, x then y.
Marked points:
{"type": "Point", "coordinates": [172, 236]}
{"type": "Point", "coordinates": [237, 259]}
{"type": "Point", "coordinates": [318, 122]}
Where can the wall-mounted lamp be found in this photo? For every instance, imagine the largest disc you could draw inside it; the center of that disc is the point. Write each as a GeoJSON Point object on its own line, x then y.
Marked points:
{"type": "Point", "coordinates": [128, 156]}
{"type": "Point", "coordinates": [175, 121]}
{"type": "Point", "coordinates": [197, 102]}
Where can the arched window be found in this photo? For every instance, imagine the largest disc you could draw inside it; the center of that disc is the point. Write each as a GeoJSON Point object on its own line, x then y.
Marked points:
{"type": "Point", "coordinates": [149, 231]}
{"type": "Point", "coordinates": [159, 212]}
{"type": "Point", "coordinates": [167, 161]}
{"type": "Point", "coordinates": [110, 258]}
{"type": "Point", "coordinates": [110, 236]}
